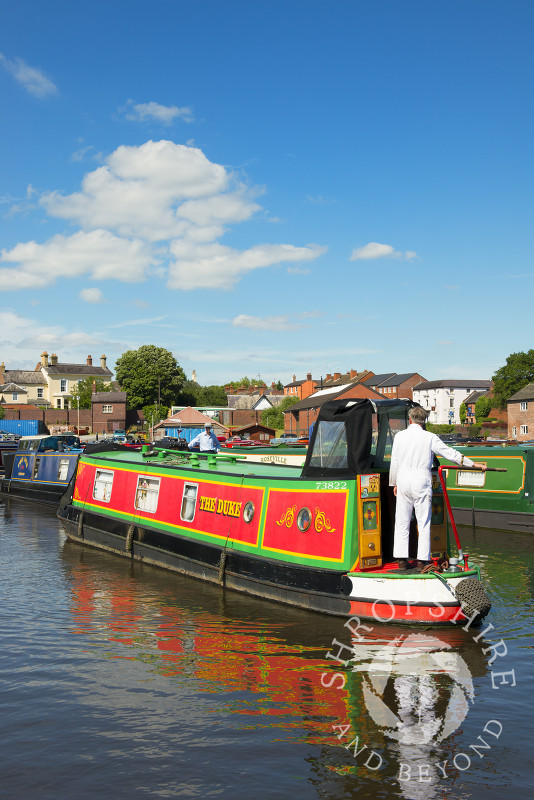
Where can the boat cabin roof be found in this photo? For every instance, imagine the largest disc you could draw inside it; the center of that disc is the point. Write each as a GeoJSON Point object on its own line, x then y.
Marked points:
{"type": "Point", "coordinates": [45, 442]}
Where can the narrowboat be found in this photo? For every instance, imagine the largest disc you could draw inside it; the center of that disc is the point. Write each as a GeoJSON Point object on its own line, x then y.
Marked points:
{"type": "Point", "coordinates": [41, 468]}
{"type": "Point", "coordinates": [501, 498]}
{"type": "Point", "coordinates": [320, 537]}
{"type": "Point", "coordinates": [8, 444]}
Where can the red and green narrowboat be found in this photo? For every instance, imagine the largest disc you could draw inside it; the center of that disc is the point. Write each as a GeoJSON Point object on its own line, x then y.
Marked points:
{"type": "Point", "coordinates": [320, 538]}
{"type": "Point", "coordinates": [501, 498]}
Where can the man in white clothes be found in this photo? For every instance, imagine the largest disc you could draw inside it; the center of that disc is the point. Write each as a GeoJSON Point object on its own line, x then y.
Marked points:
{"type": "Point", "coordinates": [206, 441]}
{"type": "Point", "coordinates": [410, 475]}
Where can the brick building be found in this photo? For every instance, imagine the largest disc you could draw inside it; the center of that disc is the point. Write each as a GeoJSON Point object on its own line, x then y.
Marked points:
{"type": "Point", "coordinates": [301, 388]}
{"type": "Point", "coordinates": [521, 414]}
{"type": "Point", "coordinates": [108, 411]}
{"type": "Point", "coordinates": [298, 418]}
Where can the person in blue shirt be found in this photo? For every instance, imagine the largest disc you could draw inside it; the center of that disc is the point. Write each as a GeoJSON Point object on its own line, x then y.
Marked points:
{"type": "Point", "coordinates": [206, 441]}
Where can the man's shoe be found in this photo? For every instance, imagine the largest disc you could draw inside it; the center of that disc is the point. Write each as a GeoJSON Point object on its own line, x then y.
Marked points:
{"type": "Point", "coordinates": [422, 565]}
{"type": "Point", "coordinates": [403, 563]}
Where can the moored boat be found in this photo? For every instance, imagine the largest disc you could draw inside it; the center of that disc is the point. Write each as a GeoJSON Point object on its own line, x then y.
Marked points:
{"type": "Point", "coordinates": [320, 538]}
{"type": "Point", "coordinates": [41, 468]}
{"type": "Point", "coordinates": [501, 498]}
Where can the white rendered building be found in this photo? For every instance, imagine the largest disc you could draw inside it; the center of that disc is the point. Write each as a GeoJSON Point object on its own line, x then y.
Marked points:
{"type": "Point", "coordinates": [444, 398]}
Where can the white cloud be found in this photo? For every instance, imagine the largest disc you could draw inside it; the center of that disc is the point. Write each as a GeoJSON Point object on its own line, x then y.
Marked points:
{"type": "Point", "coordinates": [141, 112]}
{"type": "Point", "coordinates": [32, 79]}
{"type": "Point", "coordinates": [159, 209]}
{"type": "Point", "coordinates": [23, 337]}
{"type": "Point", "coordinates": [279, 323]}
{"type": "Point", "coordinates": [375, 250]}
{"type": "Point", "coordinates": [97, 253]}
{"type": "Point", "coordinates": [92, 295]}
{"type": "Point", "coordinates": [214, 266]}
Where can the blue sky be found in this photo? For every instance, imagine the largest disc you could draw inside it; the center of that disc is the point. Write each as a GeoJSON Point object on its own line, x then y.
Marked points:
{"type": "Point", "coordinates": [268, 188]}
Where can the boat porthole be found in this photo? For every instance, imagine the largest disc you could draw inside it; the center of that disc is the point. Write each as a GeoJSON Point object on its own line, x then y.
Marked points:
{"type": "Point", "coordinates": [248, 511]}
{"type": "Point", "coordinates": [304, 519]}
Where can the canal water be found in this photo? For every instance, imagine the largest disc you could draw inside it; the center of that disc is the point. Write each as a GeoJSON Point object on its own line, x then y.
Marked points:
{"type": "Point", "coordinates": [124, 681]}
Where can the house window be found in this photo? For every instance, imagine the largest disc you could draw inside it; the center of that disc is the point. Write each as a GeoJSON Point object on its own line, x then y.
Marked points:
{"type": "Point", "coordinates": [58, 403]}
{"type": "Point", "coordinates": [40, 392]}
{"type": "Point", "coordinates": [103, 485]}
{"type": "Point", "coordinates": [146, 494]}
{"type": "Point", "coordinates": [523, 429]}
{"type": "Point", "coordinates": [189, 502]}
{"type": "Point", "coordinates": [451, 402]}
{"type": "Point", "coordinates": [514, 431]}
{"type": "Point", "coordinates": [523, 405]}
{"type": "Point", "coordinates": [107, 409]}
{"type": "Point", "coordinates": [63, 385]}
{"type": "Point", "coordinates": [15, 396]}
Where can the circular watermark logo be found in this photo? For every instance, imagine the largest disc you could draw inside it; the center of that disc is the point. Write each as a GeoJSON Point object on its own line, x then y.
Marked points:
{"type": "Point", "coordinates": [405, 682]}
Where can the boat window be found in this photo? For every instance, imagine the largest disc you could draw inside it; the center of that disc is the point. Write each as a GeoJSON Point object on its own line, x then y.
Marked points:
{"type": "Point", "coordinates": [103, 485]}
{"type": "Point", "coordinates": [33, 444]}
{"type": "Point", "coordinates": [330, 448]}
{"type": "Point", "coordinates": [189, 502]}
{"type": "Point", "coordinates": [146, 495]}
{"type": "Point", "coordinates": [63, 469]}
{"type": "Point", "coordinates": [385, 426]}
{"type": "Point", "coordinates": [36, 467]}
{"type": "Point", "coordinates": [50, 443]}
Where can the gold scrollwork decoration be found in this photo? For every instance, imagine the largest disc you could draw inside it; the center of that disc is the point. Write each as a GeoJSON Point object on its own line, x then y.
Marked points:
{"type": "Point", "coordinates": [322, 523]}
{"type": "Point", "coordinates": [288, 517]}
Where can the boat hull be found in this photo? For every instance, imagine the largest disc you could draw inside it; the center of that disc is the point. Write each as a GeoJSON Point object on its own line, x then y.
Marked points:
{"type": "Point", "coordinates": [303, 587]}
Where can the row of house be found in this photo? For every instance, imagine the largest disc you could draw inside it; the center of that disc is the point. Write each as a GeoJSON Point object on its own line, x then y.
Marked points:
{"type": "Point", "coordinates": [51, 385]}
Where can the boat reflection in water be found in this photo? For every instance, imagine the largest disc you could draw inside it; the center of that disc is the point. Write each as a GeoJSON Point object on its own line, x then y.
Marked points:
{"type": "Point", "coordinates": [404, 696]}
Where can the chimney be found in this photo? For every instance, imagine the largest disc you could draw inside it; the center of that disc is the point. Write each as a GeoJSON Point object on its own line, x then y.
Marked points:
{"type": "Point", "coordinates": [328, 377]}
{"type": "Point", "coordinates": [44, 359]}
{"type": "Point", "coordinates": [337, 376]}
{"type": "Point", "coordinates": [353, 373]}
{"type": "Point", "coordinates": [103, 362]}
{"type": "Point", "coordinates": [2, 372]}
{"type": "Point", "coordinates": [294, 378]}
{"type": "Point", "coordinates": [89, 361]}
{"type": "Point", "coordinates": [308, 376]}
{"type": "Point", "coordinates": [53, 360]}
{"type": "Point", "coordinates": [273, 385]}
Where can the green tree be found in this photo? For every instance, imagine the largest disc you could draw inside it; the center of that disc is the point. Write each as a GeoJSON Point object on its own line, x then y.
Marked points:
{"type": "Point", "coordinates": [188, 395]}
{"type": "Point", "coordinates": [212, 396]}
{"type": "Point", "coordinates": [279, 385]}
{"type": "Point", "coordinates": [2, 413]}
{"type": "Point", "coordinates": [510, 378]}
{"type": "Point", "coordinates": [246, 383]}
{"type": "Point", "coordinates": [155, 413]}
{"type": "Point", "coordinates": [83, 391]}
{"type": "Point", "coordinates": [463, 413]}
{"type": "Point", "coordinates": [274, 417]}
{"type": "Point", "coordinates": [149, 375]}
{"type": "Point", "coordinates": [483, 407]}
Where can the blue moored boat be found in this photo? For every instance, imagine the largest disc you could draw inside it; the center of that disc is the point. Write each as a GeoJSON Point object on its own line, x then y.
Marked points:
{"type": "Point", "coordinates": [41, 468]}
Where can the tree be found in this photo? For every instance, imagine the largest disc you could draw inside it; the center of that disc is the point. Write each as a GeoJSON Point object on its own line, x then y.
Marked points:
{"type": "Point", "coordinates": [212, 396]}
{"type": "Point", "coordinates": [85, 388]}
{"type": "Point", "coordinates": [154, 414]}
{"type": "Point", "coordinates": [483, 407]}
{"type": "Point", "coordinates": [510, 378]}
{"type": "Point", "coordinates": [463, 413]}
{"type": "Point", "coordinates": [246, 383]}
{"type": "Point", "coordinates": [2, 413]}
{"type": "Point", "coordinates": [149, 375]}
{"type": "Point", "coordinates": [274, 417]}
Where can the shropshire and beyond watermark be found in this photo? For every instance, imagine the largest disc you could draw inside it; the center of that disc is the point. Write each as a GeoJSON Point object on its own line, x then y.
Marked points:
{"type": "Point", "coordinates": [372, 760]}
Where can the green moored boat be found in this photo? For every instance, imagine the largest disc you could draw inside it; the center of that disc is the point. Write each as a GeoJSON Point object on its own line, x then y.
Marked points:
{"type": "Point", "coordinates": [501, 500]}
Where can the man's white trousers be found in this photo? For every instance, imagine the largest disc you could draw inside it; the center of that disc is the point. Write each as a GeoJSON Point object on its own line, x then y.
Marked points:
{"type": "Point", "coordinates": [414, 493]}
